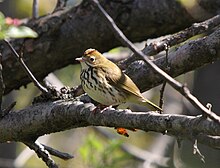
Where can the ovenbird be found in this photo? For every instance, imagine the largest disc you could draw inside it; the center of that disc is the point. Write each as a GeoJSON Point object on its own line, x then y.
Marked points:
{"type": "Point", "coordinates": [105, 82]}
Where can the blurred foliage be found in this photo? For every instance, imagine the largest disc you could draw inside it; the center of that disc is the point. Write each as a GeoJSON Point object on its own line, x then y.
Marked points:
{"type": "Point", "coordinates": [9, 28]}
{"type": "Point", "coordinates": [98, 154]}
{"type": "Point", "coordinates": [24, 7]}
{"type": "Point", "coordinates": [69, 75]}
{"type": "Point", "coordinates": [188, 3]}
{"type": "Point", "coordinates": [22, 100]}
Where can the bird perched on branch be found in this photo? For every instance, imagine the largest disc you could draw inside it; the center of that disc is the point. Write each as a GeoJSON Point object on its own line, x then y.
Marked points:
{"type": "Point", "coordinates": [105, 83]}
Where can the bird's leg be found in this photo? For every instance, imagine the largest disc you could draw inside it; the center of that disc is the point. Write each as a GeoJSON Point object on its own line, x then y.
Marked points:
{"type": "Point", "coordinates": [100, 108]}
{"type": "Point", "coordinates": [122, 131]}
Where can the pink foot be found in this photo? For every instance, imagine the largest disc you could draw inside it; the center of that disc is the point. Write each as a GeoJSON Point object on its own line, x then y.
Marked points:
{"type": "Point", "coordinates": [100, 108]}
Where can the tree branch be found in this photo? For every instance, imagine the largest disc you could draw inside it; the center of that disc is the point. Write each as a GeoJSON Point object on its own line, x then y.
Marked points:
{"type": "Point", "coordinates": [26, 69]}
{"type": "Point", "coordinates": [175, 84]}
{"type": "Point", "coordinates": [174, 39]}
{"type": "Point", "coordinates": [42, 153]}
{"type": "Point", "coordinates": [65, 34]}
{"type": "Point", "coordinates": [40, 119]}
{"type": "Point", "coordinates": [54, 152]}
{"type": "Point", "coordinates": [194, 54]}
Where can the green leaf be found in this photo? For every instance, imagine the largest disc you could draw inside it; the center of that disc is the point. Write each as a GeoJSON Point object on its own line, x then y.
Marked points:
{"type": "Point", "coordinates": [11, 31]}
{"type": "Point", "coordinates": [2, 20]}
{"type": "Point", "coordinates": [20, 32]}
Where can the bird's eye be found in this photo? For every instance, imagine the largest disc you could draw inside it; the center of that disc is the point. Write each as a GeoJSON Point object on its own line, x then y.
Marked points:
{"type": "Point", "coordinates": [92, 59]}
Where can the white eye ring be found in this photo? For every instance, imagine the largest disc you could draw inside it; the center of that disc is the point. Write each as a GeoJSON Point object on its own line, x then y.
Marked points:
{"type": "Point", "coordinates": [92, 59]}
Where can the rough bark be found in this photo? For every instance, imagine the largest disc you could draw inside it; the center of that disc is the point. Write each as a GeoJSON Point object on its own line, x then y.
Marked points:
{"type": "Point", "coordinates": [65, 34]}
{"type": "Point", "coordinates": [49, 117]}
{"type": "Point", "coordinates": [188, 57]}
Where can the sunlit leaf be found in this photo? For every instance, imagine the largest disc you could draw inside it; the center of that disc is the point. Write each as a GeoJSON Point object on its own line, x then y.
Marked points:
{"type": "Point", "coordinates": [20, 32]}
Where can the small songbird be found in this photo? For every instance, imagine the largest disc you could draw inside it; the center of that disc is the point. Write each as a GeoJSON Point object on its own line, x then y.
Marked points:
{"type": "Point", "coordinates": [105, 82]}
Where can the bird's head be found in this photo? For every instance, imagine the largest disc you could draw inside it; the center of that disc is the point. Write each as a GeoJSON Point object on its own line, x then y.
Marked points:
{"type": "Point", "coordinates": [91, 57]}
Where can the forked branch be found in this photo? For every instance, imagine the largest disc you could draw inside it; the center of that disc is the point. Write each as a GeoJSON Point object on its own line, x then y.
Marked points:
{"type": "Point", "coordinates": [175, 84]}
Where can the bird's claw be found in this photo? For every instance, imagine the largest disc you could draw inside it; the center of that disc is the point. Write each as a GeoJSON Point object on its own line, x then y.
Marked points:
{"type": "Point", "coordinates": [100, 108]}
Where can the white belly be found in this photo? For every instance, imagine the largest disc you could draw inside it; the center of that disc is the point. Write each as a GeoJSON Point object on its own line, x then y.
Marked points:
{"type": "Point", "coordinates": [108, 96]}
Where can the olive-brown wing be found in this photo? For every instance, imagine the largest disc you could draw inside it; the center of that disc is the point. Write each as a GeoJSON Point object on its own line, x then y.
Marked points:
{"type": "Point", "coordinates": [121, 81]}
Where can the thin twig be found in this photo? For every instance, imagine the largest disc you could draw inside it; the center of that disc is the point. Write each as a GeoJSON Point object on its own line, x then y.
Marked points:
{"type": "Point", "coordinates": [175, 84]}
{"type": "Point", "coordinates": [42, 153]}
{"type": "Point", "coordinates": [35, 9]}
{"type": "Point", "coordinates": [54, 152]}
{"type": "Point", "coordinates": [161, 95]}
{"type": "Point", "coordinates": [164, 83]}
{"type": "Point", "coordinates": [26, 69]}
{"type": "Point", "coordinates": [197, 151]}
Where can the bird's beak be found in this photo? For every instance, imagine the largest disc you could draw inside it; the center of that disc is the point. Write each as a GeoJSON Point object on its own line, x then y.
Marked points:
{"type": "Point", "coordinates": [80, 59]}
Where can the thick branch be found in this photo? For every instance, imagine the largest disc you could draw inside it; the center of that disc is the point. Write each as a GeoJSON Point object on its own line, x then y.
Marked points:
{"type": "Point", "coordinates": [40, 119]}
{"type": "Point", "coordinates": [188, 57]}
{"type": "Point", "coordinates": [175, 39]}
{"type": "Point", "coordinates": [64, 35]}
{"type": "Point", "coordinates": [174, 83]}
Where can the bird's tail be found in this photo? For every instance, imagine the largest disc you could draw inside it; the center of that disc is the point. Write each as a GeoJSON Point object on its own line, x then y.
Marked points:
{"type": "Point", "coordinates": [152, 105]}
{"type": "Point", "coordinates": [144, 102]}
